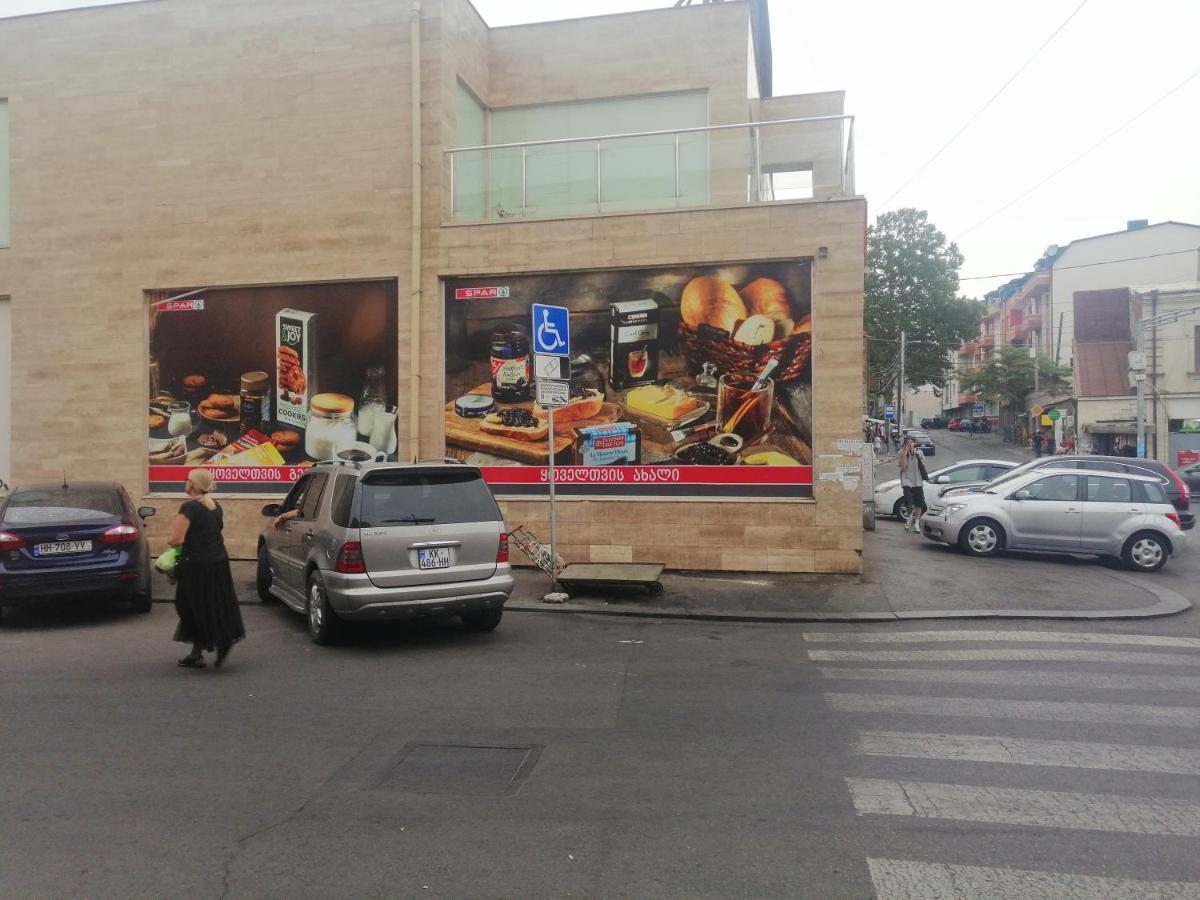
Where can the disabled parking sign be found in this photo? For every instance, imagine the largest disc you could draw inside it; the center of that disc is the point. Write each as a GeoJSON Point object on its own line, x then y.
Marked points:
{"type": "Point", "coordinates": [551, 330]}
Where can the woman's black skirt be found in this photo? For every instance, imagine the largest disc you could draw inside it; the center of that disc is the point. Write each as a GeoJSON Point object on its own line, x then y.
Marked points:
{"type": "Point", "coordinates": [207, 605]}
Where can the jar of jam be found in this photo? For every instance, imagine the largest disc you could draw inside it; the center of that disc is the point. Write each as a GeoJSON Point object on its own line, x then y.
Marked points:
{"type": "Point", "coordinates": [512, 364]}
{"type": "Point", "coordinates": [255, 400]}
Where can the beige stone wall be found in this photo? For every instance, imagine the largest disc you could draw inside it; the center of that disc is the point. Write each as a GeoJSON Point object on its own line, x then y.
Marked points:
{"type": "Point", "coordinates": [184, 143]}
{"type": "Point", "coordinates": [823, 535]}
{"type": "Point", "coordinates": [218, 142]}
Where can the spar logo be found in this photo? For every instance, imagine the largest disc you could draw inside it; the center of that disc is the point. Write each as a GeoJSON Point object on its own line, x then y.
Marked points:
{"type": "Point", "coordinates": [196, 304]}
{"type": "Point", "coordinates": [481, 293]}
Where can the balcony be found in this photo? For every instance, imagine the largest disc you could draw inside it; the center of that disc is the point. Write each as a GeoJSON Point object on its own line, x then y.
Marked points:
{"type": "Point", "coordinates": [964, 399]}
{"type": "Point", "coordinates": [968, 349]}
{"type": "Point", "coordinates": [986, 341]}
{"type": "Point", "coordinates": [809, 158]}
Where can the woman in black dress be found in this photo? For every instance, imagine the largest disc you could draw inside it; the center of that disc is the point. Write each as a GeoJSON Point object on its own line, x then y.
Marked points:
{"type": "Point", "coordinates": [209, 618]}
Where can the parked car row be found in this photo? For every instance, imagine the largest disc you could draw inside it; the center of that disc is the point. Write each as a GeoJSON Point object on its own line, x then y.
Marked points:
{"type": "Point", "coordinates": [935, 422]}
{"type": "Point", "coordinates": [1135, 510]}
{"type": "Point", "coordinates": [977, 425]}
{"type": "Point", "coordinates": [1072, 510]}
{"type": "Point", "coordinates": [350, 542]}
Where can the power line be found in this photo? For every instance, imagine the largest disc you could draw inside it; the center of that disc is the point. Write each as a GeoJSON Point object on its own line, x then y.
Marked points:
{"type": "Point", "coordinates": [983, 108]}
{"type": "Point", "coordinates": [1107, 262]}
{"type": "Point", "coordinates": [1108, 137]}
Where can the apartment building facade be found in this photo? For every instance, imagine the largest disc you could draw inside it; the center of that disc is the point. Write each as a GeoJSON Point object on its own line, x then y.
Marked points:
{"type": "Point", "coordinates": [261, 235]}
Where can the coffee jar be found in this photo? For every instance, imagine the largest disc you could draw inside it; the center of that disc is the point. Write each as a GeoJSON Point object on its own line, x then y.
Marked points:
{"type": "Point", "coordinates": [330, 425]}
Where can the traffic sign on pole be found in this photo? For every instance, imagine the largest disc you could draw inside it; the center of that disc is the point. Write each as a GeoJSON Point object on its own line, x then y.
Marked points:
{"type": "Point", "coordinates": [558, 367]}
{"type": "Point", "coordinates": [1054, 415]}
{"type": "Point", "coordinates": [551, 330]}
{"type": "Point", "coordinates": [551, 393]}
{"type": "Point", "coordinates": [889, 411]}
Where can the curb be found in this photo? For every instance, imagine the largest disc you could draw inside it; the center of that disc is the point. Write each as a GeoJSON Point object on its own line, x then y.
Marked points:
{"type": "Point", "coordinates": [1170, 602]}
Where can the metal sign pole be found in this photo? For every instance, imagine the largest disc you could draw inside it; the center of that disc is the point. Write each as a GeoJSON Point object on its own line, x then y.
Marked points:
{"type": "Point", "coordinates": [553, 523]}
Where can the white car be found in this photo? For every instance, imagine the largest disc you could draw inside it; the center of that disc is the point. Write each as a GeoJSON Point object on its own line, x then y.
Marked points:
{"type": "Point", "coordinates": [1066, 511]}
{"type": "Point", "coordinates": [889, 497]}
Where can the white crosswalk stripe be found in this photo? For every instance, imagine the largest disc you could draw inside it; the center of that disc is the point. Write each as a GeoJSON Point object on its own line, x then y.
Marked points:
{"type": "Point", "coordinates": [1029, 752]}
{"type": "Point", "coordinates": [997, 636]}
{"type": "Point", "coordinates": [1037, 710]}
{"type": "Point", "coordinates": [1106, 681]}
{"type": "Point", "coordinates": [1063, 667]}
{"type": "Point", "coordinates": [904, 879]}
{"type": "Point", "coordinates": [1017, 806]}
{"type": "Point", "coordinates": [1011, 655]}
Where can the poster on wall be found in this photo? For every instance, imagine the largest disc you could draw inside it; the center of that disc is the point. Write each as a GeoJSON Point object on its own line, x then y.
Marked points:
{"type": "Point", "coordinates": [684, 381]}
{"type": "Point", "coordinates": [261, 383]}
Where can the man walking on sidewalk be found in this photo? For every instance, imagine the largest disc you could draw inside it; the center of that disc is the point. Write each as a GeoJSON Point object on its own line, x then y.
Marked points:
{"type": "Point", "coordinates": [1036, 440]}
{"type": "Point", "coordinates": [912, 482]}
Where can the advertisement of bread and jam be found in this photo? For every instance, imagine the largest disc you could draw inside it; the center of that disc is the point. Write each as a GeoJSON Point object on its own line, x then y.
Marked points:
{"type": "Point", "coordinates": [265, 382]}
{"type": "Point", "coordinates": [684, 381]}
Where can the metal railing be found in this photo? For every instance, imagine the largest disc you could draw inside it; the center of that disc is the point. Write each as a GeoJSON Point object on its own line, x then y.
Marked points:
{"type": "Point", "coordinates": [714, 165]}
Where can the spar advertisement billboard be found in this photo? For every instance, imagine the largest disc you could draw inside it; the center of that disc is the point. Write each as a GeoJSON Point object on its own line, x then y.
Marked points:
{"type": "Point", "coordinates": [688, 381]}
{"type": "Point", "coordinates": [261, 383]}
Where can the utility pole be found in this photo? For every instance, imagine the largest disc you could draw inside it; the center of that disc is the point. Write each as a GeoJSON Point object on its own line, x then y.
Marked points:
{"type": "Point", "coordinates": [1137, 363]}
{"type": "Point", "coordinates": [900, 387]}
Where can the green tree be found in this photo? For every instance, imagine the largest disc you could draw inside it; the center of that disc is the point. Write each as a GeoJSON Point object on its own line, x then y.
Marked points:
{"type": "Point", "coordinates": [912, 286]}
{"type": "Point", "coordinates": [1009, 375]}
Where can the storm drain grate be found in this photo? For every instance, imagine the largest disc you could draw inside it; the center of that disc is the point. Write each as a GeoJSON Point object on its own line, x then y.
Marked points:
{"type": "Point", "coordinates": [471, 769]}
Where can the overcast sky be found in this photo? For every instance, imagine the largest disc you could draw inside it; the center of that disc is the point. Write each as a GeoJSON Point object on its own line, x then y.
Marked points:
{"type": "Point", "coordinates": [915, 72]}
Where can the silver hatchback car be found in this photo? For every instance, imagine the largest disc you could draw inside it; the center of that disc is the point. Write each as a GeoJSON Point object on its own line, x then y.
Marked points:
{"type": "Point", "coordinates": [354, 542]}
{"type": "Point", "coordinates": [1072, 511]}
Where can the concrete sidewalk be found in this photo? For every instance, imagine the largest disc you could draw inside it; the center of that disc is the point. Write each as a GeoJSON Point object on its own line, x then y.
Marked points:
{"type": "Point", "coordinates": [906, 578]}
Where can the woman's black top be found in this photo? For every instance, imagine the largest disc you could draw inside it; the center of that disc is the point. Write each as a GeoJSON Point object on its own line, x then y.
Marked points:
{"type": "Point", "coordinates": [203, 542]}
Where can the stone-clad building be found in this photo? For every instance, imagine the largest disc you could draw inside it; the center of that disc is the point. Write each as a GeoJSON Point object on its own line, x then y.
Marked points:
{"type": "Point", "coordinates": [182, 175]}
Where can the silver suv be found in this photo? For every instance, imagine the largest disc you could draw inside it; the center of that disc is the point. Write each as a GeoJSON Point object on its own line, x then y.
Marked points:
{"type": "Point", "coordinates": [1071, 511]}
{"type": "Point", "coordinates": [387, 541]}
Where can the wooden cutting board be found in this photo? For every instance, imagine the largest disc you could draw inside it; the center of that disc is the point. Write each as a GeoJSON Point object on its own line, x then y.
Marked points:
{"type": "Point", "coordinates": [466, 433]}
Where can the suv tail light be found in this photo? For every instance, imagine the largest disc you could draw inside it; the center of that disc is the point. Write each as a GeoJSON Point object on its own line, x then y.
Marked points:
{"type": "Point", "coordinates": [1174, 517]}
{"type": "Point", "coordinates": [10, 541]}
{"type": "Point", "coordinates": [119, 534]}
{"type": "Point", "coordinates": [1185, 497]}
{"type": "Point", "coordinates": [502, 550]}
{"type": "Point", "coordinates": [350, 559]}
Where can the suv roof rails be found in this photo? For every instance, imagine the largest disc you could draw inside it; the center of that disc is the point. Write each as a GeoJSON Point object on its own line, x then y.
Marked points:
{"type": "Point", "coordinates": [443, 459]}
{"type": "Point", "coordinates": [338, 462]}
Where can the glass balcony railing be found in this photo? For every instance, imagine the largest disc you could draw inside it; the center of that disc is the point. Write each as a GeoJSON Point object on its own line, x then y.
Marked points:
{"type": "Point", "coordinates": [718, 165]}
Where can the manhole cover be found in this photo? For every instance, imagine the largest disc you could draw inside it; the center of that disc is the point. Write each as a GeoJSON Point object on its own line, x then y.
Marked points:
{"type": "Point", "coordinates": [459, 769]}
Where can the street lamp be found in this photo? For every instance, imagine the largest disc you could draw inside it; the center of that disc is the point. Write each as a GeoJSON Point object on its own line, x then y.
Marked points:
{"type": "Point", "coordinates": [1137, 363]}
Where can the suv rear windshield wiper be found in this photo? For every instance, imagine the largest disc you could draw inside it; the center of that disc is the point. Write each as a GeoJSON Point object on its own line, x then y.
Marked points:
{"type": "Point", "coordinates": [410, 520]}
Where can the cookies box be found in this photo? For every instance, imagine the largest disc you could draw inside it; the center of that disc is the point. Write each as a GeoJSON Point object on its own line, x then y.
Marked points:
{"type": "Point", "coordinates": [295, 365]}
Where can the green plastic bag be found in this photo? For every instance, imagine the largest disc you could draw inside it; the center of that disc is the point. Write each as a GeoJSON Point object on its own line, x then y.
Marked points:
{"type": "Point", "coordinates": [166, 562]}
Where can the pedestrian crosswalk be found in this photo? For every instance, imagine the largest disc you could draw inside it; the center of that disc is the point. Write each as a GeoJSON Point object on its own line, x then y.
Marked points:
{"type": "Point", "coordinates": [1081, 741]}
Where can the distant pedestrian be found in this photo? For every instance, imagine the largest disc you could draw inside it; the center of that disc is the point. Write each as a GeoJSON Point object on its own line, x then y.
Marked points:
{"type": "Point", "coordinates": [912, 481]}
{"type": "Point", "coordinates": [1036, 440]}
{"type": "Point", "coordinates": [1048, 443]}
{"type": "Point", "coordinates": [209, 618]}
{"type": "Point", "coordinates": [878, 442]}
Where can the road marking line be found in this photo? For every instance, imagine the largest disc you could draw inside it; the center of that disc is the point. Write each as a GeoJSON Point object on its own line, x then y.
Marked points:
{"type": "Point", "coordinates": [1016, 806]}
{"type": "Point", "coordinates": [906, 879]}
{"type": "Point", "coordinates": [1016, 655]}
{"type": "Point", "coordinates": [963, 634]}
{"type": "Point", "coordinates": [1100, 681]}
{"type": "Point", "coordinates": [1034, 710]}
{"type": "Point", "coordinates": [1029, 752]}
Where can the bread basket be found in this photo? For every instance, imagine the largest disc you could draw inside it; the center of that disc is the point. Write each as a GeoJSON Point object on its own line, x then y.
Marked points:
{"type": "Point", "coordinates": [707, 344]}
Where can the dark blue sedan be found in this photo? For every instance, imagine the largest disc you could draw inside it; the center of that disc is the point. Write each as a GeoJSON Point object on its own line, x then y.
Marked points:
{"type": "Point", "coordinates": [81, 539]}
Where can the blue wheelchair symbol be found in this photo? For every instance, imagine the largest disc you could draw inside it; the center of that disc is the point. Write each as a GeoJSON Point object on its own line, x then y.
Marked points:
{"type": "Point", "coordinates": [551, 332]}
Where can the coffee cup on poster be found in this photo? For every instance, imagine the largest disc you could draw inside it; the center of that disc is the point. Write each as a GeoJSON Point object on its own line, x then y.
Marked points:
{"type": "Point", "coordinates": [359, 452]}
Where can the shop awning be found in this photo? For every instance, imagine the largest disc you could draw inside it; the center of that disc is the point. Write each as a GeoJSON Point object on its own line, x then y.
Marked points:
{"type": "Point", "coordinates": [1115, 428]}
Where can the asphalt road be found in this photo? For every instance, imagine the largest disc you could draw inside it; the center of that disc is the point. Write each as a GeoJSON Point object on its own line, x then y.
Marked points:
{"type": "Point", "coordinates": [588, 756]}
{"type": "Point", "coordinates": [575, 755]}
